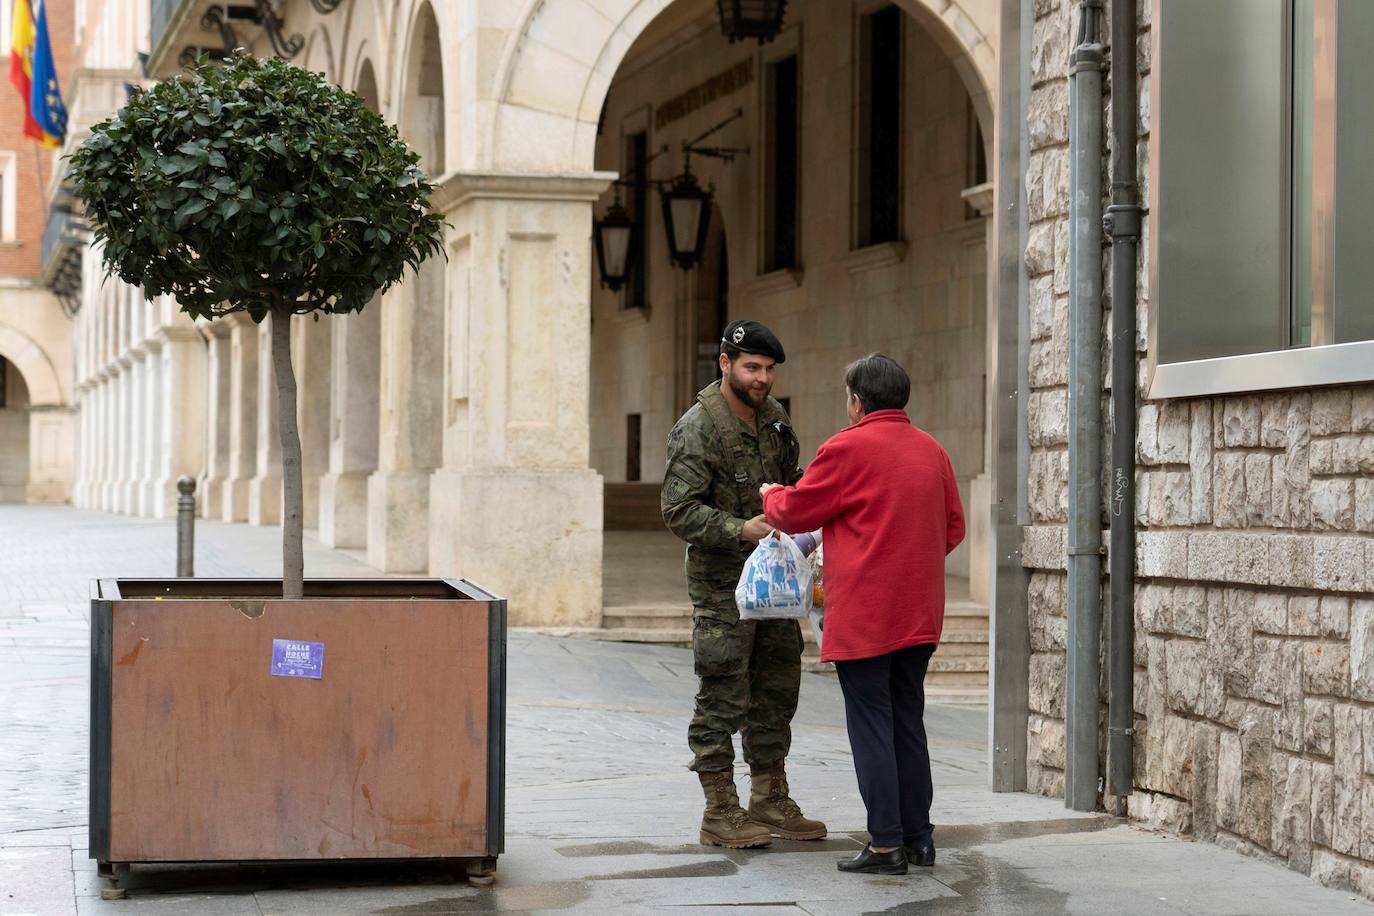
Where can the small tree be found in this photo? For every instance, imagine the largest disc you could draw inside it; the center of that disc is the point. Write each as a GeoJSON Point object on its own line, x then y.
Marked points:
{"type": "Point", "coordinates": [256, 186]}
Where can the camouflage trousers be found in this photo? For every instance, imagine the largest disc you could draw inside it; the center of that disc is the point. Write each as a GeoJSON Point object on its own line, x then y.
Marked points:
{"type": "Point", "coordinates": [750, 673]}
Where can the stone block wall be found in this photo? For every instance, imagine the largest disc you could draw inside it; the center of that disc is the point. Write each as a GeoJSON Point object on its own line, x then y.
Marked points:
{"type": "Point", "coordinates": [1254, 654]}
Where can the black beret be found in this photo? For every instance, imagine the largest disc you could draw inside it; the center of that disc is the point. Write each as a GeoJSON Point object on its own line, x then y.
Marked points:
{"type": "Point", "coordinates": [749, 336]}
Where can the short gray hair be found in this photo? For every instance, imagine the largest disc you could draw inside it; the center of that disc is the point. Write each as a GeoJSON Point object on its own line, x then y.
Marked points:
{"type": "Point", "coordinates": [879, 382]}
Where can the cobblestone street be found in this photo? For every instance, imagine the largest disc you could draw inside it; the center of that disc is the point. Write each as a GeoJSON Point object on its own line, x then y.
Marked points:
{"type": "Point", "coordinates": [601, 813]}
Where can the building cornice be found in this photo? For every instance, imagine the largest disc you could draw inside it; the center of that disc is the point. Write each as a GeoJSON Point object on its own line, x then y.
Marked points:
{"type": "Point", "coordinates": [453, 190]}
{"type": "Point", "coordinates": [873, 257]}
{"type": "Point", "coordinates": [175, 333]}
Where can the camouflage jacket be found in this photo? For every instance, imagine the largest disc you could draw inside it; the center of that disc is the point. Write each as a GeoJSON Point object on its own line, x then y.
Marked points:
{"type": "Point", "coordinates": [716, 464]}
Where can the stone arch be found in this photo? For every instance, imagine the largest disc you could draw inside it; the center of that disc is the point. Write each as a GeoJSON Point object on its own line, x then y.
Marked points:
{"type": "Point", "coordinates": [362, 32]}
{"type": "Point", "coordinates": [21, 350]}
{"type": "Point", "coordinates": [365, 85]}
{"type": "Point", "coordinates": [558, 64]}
{"type": "Point", "coordinates": [319, 54]}
{"type": "Point", "coordinates": [420, 77]}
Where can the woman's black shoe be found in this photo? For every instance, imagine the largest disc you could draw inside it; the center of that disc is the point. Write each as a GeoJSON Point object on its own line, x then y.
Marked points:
{"type": "Point", "coordinates": [869, 862]}
{"type": "Point", "coordinates": [920, 854]}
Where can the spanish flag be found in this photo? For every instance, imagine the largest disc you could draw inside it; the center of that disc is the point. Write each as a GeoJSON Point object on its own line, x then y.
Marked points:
{"type": "Point", "coordinates": [34, 73]}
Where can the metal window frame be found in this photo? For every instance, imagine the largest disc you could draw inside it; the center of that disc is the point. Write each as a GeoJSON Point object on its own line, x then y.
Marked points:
{"type": "Point", "coordinates": [788, 44]}
{"type": "Point", "coordinates": [1322, 363]}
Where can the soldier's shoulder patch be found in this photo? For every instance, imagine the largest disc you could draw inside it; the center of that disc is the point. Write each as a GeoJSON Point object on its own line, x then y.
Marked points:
{"type": "Point", "coordinates": [674, 489]}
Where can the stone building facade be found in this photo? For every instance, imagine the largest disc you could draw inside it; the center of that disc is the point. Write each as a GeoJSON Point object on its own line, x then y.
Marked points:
{"type": "Point", "coordinates": [922, 299]}
{"type": "Point", "coordinates": [37, 437]}
{"type": "Point", "coordinates": [478, 409]}
{"type": "Point", "coordinates": [486, 405]}
{"type": "Point", "coordinates": [1254, 679]}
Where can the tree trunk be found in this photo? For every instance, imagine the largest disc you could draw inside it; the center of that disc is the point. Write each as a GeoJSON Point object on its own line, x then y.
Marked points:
{"type": "Point", "coordinates": [293, 497]}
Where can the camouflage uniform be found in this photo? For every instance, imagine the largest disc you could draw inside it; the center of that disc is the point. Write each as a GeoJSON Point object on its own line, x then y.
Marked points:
{"type": "Point", "coordinates": [750, 670]}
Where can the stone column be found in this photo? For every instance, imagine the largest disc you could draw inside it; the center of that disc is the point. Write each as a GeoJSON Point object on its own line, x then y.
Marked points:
{"type": "Point", "coordinates": [243, 415]}
{"type": "Point", "coordinates": [151, 409]}
{"type": "Point", "coordinates": [114, 421]}
{"type": "Point", "coordinates": [123, 437]}
{"type": "Point", "coordinates": [311, 356]}
{"type": "Point", "coordinates": [410, 442]}
{"type": "Point", "coordinates": [219, 390]}
{"type": "Point", "coordinates": [52, 443]}
{"type": "Point", "coordinates": [264, 496]}
{"type": "Point", "coordinates": [84, 443]}
{"type": "Point", "coordinates": [978, 512]}
{"type": "Point", "coordinates": [353, 426]}
{"type": "Point", "coordinates": [104, 409]}
{"type": "Point", "coordinates": [138, 428]}
{"type": "Point", "coordinates": [515, 506]}
{"type": "Point", "coordinates": [181, 408]}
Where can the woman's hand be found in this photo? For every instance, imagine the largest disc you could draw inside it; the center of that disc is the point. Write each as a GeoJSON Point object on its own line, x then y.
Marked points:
{"type": "Point", "coordinates": [764, 490]}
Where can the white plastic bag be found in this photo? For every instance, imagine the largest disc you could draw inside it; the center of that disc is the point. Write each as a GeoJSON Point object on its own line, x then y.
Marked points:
{"type": "Point", "coordinates": [818, 610]}
{"type": "Point", "coordinates": [776, 582]}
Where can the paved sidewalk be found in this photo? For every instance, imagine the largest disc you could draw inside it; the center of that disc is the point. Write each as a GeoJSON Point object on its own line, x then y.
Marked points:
{"type": "Point", "coordinates": [601, 811]}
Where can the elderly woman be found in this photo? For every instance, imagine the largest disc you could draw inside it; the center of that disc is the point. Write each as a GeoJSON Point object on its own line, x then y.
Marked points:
{"type": "Point", "coordinates": [884, 494]}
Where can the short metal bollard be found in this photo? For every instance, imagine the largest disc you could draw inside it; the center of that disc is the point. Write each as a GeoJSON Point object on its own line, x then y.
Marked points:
{"type": "Point", "coordinates": [186, 522]}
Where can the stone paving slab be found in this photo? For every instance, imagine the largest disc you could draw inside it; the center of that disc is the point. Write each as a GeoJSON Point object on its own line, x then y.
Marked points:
{"type": "Point", "coordinates": [601, 811]}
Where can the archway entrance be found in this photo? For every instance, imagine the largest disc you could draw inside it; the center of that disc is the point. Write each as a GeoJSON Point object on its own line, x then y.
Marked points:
{"type": "Point", "coordinates": [14, 434]}
{"type": "Point", "coordinates": [857, 222]}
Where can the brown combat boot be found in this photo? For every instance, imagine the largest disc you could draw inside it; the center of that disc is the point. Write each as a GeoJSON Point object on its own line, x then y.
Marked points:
{"type": "Point", "coordinates": [770, 805]}
{"type": "Point", "coordinates": [725, 823]}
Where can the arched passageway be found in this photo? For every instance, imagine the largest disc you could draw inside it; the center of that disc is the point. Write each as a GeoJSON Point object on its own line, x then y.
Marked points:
{"type": "Point", "coordinates": [37, 436]}
{"type": "Point", "coordinates": [14, 434]}
{"type": "Point", "coordinates": [857, 222]}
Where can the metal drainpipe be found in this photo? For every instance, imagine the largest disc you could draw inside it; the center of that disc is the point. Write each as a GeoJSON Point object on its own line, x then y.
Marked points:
{"type": "Point", "coordinates": [1081, 779]}
{"type": "Point", "coordinates": [1122, 223]}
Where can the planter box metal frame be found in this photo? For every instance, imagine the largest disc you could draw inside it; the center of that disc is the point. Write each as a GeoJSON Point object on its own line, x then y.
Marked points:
{"type": "Point", "coordinates": [152, 605]}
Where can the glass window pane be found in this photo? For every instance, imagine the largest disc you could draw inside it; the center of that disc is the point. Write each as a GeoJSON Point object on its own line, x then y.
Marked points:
{"type": "Point", "coordinates": [879, 135]}
{"type": "Point", "coordinates": [780, 165]}
{"type": "Point", "coordinates": [1354, 218]}
{"type": "Point", "coordinates": [1303, 17]}
{"type": "Point", "coordinates": [1221, 190]}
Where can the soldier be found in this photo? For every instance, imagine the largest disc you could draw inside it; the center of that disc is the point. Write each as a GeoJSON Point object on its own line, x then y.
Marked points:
{"type": "Point", "coordinates": [731, 441]}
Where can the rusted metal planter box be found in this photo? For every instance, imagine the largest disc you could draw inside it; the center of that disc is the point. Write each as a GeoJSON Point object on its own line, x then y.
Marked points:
{"type": "Point", "coordinates": [376, 731]}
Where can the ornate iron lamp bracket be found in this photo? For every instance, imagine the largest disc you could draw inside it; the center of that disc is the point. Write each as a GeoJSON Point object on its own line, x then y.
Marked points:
{"type": "Point", "coordinates": [726, 153]}
{"type": "Point", "coordinates": [214, 20]}
{"type": "Point", "coordinates": [273, 25]}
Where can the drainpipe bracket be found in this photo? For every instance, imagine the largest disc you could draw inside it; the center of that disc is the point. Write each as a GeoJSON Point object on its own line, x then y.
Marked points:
{"type": "Point", "coordinates": [1087, 551]}
{"type": "Point", "coordinates": [1122, 221]}
{"type": "Point", "coordinates": [1088, 58]}
{"type": "Point", "coordinates": [1121, 732]}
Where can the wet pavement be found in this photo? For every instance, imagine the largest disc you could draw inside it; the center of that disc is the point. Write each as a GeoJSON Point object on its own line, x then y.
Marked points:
{"type": "Point", "coordinates": [601, 811]}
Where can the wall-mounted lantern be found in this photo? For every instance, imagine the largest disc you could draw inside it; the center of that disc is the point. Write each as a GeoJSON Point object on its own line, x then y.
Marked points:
{"type": "Point", "coordinates": [686, 218]}
{"type": "Point", "coordinates": [613, 236]}
{"type": "Point", "coordinates": [744, 19]}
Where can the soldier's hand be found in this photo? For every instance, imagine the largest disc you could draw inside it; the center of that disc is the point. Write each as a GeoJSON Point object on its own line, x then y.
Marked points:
{"type": "Point", "coordinates": [755, 530]}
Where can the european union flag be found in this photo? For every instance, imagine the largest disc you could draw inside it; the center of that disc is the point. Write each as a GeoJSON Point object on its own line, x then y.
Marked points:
{"type": "Point", "coordinates": [45, 100]}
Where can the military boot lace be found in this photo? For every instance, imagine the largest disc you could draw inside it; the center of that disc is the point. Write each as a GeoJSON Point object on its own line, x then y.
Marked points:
{"type": "Point", "coordinates": [736, 817]}
{"type": "Point", "coordinates": [786, 805]}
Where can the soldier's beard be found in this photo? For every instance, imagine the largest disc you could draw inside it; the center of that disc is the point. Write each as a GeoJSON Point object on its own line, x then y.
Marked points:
{"type": "Point", "coordinates": [755, 397]}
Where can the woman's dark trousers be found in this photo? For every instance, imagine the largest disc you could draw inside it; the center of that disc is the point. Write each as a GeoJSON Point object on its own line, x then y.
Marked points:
{"type": "Point", "coordinates": [884, 705]}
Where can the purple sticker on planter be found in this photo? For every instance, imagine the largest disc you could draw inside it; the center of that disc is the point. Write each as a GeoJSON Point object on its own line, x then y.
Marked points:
{"type": "Point", "coordinates": [293, 658]}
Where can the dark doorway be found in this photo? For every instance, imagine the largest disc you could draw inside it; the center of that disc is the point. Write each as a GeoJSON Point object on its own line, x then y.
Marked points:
{"type": "Point", "coordinates": [713, 304]}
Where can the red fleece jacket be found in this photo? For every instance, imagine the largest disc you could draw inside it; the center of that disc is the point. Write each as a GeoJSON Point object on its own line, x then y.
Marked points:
{"type": "Point", "coordinates": [885, 495]}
